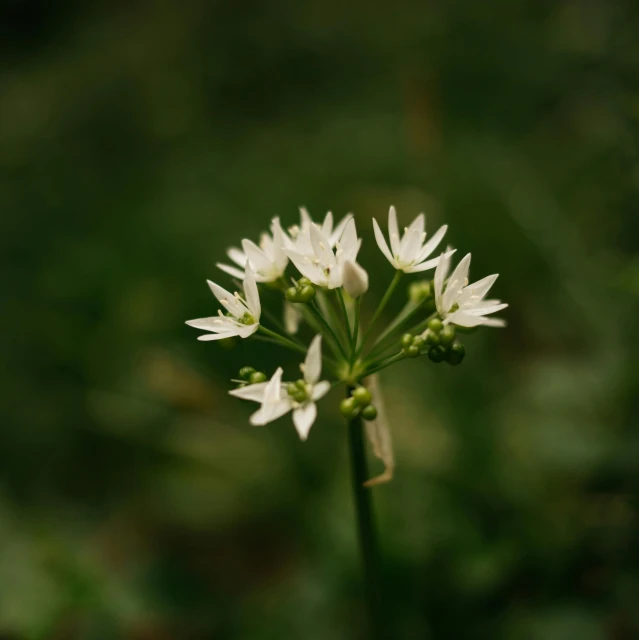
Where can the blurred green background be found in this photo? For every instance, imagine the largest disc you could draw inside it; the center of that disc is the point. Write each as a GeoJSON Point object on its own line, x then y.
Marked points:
{"type": "Point", "coordinates": [138, 140]}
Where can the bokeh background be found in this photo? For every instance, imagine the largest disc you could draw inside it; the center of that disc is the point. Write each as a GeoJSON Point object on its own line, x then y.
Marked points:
{"type": "Point", "coordinates": [138, 140]}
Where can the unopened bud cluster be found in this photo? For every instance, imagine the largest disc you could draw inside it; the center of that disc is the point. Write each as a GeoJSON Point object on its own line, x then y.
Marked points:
{"type": "Point", "coordinates": [248, 375]}
{"type": "Point", "coordinates": [437, 341]}
{"type": "Point", "coordinates": [358, 403]}
{"type": "Point", "coordinates": [303, 291]}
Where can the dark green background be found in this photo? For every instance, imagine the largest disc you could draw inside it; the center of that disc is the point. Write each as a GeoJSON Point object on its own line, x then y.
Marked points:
{"type": "Point", "coordinates": [138, 140]}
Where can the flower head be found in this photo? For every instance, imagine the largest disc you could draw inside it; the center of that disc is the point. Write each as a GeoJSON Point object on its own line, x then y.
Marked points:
{"type": "Point", "coordinates": [242, 316]}
{"type": "Point", "coordinates": [461, 303]}
{"type": "Point", "coordinates": [409, 253]}
{"type": "Point", "coordinates": [267, 260]}
{"type": "Point", "coordinates": [316, 258]}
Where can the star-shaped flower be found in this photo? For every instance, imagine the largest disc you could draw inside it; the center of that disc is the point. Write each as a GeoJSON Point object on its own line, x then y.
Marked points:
{"type": "Point", "coordinates": [243, 314]}
{"type": "Point", "coordinates": [326, 227]}
{"type": "Point", "coordinates": [268, 261]}
{"type": "Point", "coordinates": [316, 259]}
{"type": "Point", "coordinates": [410, 253]}
{"type": "Point", "coordinates": [277, 398]}
{"type": "Point", "coordinates": [461, 303]}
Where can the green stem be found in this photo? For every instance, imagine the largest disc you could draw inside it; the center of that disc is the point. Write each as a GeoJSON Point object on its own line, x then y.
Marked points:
{"type": "Point", "coordinates": [404, 316]}
{"type": "Point", "coordinates": [365, 526]}
{"type": "Point", "coordinates": [380, 308]}
{"type": "Point", "coordinates": [358, 304]}
{"type": "Point", "coordinates": [285, 342]}
{"type": "Point", "coordinates": [323, 322]}
{"type": "Point", "coordinates": [374, 367]}
{"type": "Point", "coordinates": [340, 297]}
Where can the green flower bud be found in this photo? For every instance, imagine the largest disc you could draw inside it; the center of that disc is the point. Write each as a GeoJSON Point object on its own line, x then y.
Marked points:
{"type": "Point", "coordinates": [419, 291]}
{"type": "Point", "coordinates": [456, 353]}
{"type": "Point", "coordinates": [300, 384]}
{"type": "Point", "coordinates": [407, 340]}
{"type": "Point", "coordinates": [369, 412]}
{"type": "Point", "coordinates": [257, 376]}
{"type": "Point", "coordinates": [431, 337]}
{"type": "Point", "coordinates": [303, 282]}
{"type": "Point", "coordinates": [300, 396]}
{"type": "Point", "coordinates": [362, 396]}
{"type": "Point", "coordinates": [245, 372]}
{"type": "Point", "coordinates": [418, 342]}
{"type": "Point", "coordinates": [412, 351]}
{"type": "Point", "coordinates": [292, 389]}
{"type": "Point", "coordinates": [435, 325]}
{"type": "Point", "coordinates": [292, 294]}
{"type": "Point", "coordinates": [306, 294]}
{"type": "Point", "coordinates": [436, 353]}
{"type": "Point", "coordinates": [348, 407]}
{"type": "Point", "coordinates": [447, 335]}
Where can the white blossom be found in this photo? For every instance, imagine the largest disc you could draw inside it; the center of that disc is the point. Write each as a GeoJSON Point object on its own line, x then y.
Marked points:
{"type": "Point", "coordinates": [316, 259]}
{"type": "Point", "coordinates": [326, 227]}
{"type": "Point", "coordinates": [461, 303]}
{"type": "Point", "coordinates": [354, 279]}
{"type": "Point", "coordinates": [242, 316]}
{"type": "Point", "coordinates": [275, 400]}
{"type": "Point", "coordinates": [410, 253]}
{"type": "Point", "coordinates": [268, 261]}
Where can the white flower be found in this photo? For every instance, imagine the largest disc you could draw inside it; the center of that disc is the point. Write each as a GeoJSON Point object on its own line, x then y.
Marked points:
{"type": "Point", "coordinates": [409, 254]}
{"type": "Point", "coordinates": [276, 401]}
{"type": "Point", "coordinates": [243, 314]}
{"type": "Point", "coordinates": [326, 227]}
{"type": "Point", "coordinates": [461, 303]}
{"type": "Point", "coordinates": [354, 279]}
{"type": "Point", "coordinates": [268, 261]}
{"type": "Point", "coordinates": [315, 258]}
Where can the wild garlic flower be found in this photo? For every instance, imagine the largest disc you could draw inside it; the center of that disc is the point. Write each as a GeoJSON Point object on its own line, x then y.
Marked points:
{"type": "Point", "coordinates": [277, 398]}
{"type": "Point", "coordinates": [409, 253]}
{"type": "Point", "coordinates": [461, 303]}
{"type": "Point", "coordinates": [242, 316]}
{"type": "Point", "coordinates": [326, 227]}
{"type": "Point", "coordinates": [268, 261]}
{"type": "Point", "coordinates": [317, 260]}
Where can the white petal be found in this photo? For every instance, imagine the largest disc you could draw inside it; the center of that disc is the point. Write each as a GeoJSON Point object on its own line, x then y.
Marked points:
{"type": "Point", "coordinates": [246, 330]}
{"type": "Point", "coordinates": [312, 368]}
{"type": "Point", "coordinates": [232, 271]}
{"type": "Point", "coordinates": [320, 389]}
{"type": "Point", "coordinates": [456, 283]}
{"type": "Point", "coordinates": [381, 243]}
{"type": "Point", "coordinates": [237, 256]}
{"type": "Point", "coordinates": [257, 258]}
{"type": "Point", "coordinates": [349, 242]}
{"type": "Point", "coordinates": [339, 229]}
{"type": "Point", "coordinates": [227, 299]}
{"type": "Point", "coordinates": [254, 392]}
{"type": "Point", "coordinates": [307, 268]}
{"type": "Point", "coordinates": [251, 293]}
{"type": "Point", "coordinates": [207, 337]}
{"type": "Point", "coordinates": [303, 419]}
{"type": "Point", "coordinates": [322, 247]}
{"type": "Point", "coordinates": [269, 413]}
{"type": "Point", "coordinates": [354, 279]}
{"type": "Point", "coordinates": [431, 243]}
{"type": "Point", "coordinates": [393, 231]}
{"type": "Point", "coordinates": [292, 318]}
{"type": "Point", "coordinates": [279, 257]}
{"type": "Point", "coordinates": [429, 264]}
{"type": "Point", "coordinates": [478, 289]}
{"type": "Point", "coordinates": [440, 277]}
{"type": "Point", "coordinates": [462, 319]}
{"type": "Point", "coordinates": [327, 225]}
{"type": "Point", "coordinates": [494, 322]}
{"type": "Point", "coordinates": [410, 247]}
{"type": "Point", "coordinates": [486, 309]}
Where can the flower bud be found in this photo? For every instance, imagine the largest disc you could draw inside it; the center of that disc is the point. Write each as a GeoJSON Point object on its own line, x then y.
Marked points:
{"type": "Point", "coordinates": [435, 325]}
{"type": "Point", "coordinates": [256, 377]}
{"type": "Point", "coordinates": [348, 407]}
{"type": "Point", "coordinates": [455, 353]}
{"type": "Point", "coordinates": [407, 340]}
{"type": "Point", "coordinates": [436, 354]}
{"type": "Point", "coordinates": [420, 291]}
{"type": "Point", "coordinates": [447, 335]}
{"type": "Point", "coordinates": [362, 396]}
{"type": "Point", "coordinates": [412, 351]}
{"type": "Point", "coordinates": [306, 294]}
{"type": "Point", "coordinates": [369, 412]}
{"type": "Point", "coordinates": [354, 279]}
{"type": "Point", "coordinates": [245, 372]}
{"type": "Point", "coordinates": [292, 294]}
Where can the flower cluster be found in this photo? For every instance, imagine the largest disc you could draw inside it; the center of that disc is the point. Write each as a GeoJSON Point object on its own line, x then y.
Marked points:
{"type": "Point", "coordinates": [325, 294]}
